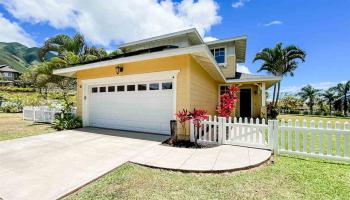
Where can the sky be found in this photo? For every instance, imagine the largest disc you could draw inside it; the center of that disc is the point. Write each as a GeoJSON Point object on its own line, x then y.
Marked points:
{"type": "Point", "coordinates": [320, 27]}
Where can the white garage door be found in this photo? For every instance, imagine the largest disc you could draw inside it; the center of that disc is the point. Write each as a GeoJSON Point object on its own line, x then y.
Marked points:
{"type": "Point", "coordinates": [145, 106]}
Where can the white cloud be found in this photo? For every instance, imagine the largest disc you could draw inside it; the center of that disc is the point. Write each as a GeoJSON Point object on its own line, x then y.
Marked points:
{"type": "Point", "coordinates": [12, 32]}
{"type": "Point", "coordinates": [239, 3]}
{"type": "Point", "coordinates": [275, 22]}
{"type": "Point", "coordinates": [321, 85]}
{"type": "Point", "coordinates": [107, 22]}
{"type": "Point", "coordinates": [209, 39]}
{"type": "Point", "coordinates": [243, 69]}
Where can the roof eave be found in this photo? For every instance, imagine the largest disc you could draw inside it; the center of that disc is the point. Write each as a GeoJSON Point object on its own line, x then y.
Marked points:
{"type": "Point", "coordinates": [71, 71]}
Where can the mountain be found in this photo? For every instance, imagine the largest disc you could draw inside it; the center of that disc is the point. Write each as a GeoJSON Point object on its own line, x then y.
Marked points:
{"type": "Point", "coordinates": [19, 56]}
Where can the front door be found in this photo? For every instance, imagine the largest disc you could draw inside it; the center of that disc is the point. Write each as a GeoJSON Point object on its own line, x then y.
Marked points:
{"type": "Point", "coordinates": [245, 102]}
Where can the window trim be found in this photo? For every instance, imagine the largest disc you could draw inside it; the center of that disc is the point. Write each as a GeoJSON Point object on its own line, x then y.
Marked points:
{"type": "Point", "coordinates": [225, 49]}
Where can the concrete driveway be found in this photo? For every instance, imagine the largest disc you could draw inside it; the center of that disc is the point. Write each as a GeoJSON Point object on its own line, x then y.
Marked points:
{"type": "Point", "coordinates": [51, 165]}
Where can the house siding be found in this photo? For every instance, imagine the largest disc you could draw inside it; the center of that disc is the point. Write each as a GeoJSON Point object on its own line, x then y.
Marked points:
{"type": "Point", "coordinates": [203, 89]}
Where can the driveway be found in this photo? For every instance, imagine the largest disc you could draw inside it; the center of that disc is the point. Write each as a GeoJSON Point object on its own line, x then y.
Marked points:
{"type": "Point", "coordinates": [51, 165]}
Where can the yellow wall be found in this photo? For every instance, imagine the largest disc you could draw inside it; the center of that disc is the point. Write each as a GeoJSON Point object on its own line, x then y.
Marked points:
{"type": "Point", "coordinates": [229, 69]}
{"type": "Point", "coordinates": [203, 89]}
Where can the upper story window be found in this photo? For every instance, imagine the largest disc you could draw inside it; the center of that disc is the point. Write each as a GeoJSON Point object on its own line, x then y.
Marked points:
{"type": "Point", "coordinates": [219, 55]}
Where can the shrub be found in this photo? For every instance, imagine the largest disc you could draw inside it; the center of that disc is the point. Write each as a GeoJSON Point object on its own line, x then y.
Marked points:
{"type": "Point", "coordinates": [16, 89]}
{"type": "Point", "coordinates": [272, 111]}
{"type": "Point", "coordinates": [227, 102]}
{"type": "Point", "coordinates": [66, 120]}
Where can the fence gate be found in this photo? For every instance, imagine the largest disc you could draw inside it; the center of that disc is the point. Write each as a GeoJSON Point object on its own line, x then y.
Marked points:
{"type": "Point", "coordinates": [250, 133]}
{"type": "Point", "coordinates": [233, 131]}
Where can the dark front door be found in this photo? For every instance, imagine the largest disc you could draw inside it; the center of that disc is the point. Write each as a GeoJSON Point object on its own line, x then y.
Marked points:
{"type": "Point", "coordinates": [245, 102]}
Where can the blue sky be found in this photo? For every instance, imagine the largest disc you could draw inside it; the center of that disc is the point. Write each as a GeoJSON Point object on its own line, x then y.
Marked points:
{"type": "Point", "coordinates": [320, 27]}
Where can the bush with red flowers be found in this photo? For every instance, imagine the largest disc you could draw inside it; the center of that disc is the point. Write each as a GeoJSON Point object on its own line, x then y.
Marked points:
{"type": "Point", "coordinates": [227, 102]}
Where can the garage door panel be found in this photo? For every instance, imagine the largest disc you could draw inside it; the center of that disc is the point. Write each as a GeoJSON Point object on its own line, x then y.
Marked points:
{"type": "Point", "coordinates": [146, 111]}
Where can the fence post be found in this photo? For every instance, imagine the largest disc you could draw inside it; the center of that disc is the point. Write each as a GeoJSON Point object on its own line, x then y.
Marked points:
{"type": "Point", "coordinates": [270, 134]}
{"type": "Point", "coordinates": [273, 133]}
{"type": "Point", "coordinates": [34, 114]}
{"type": "Point", "coordinates": [221, 130]}
{"type": "Point", "coordinates": [191, 131]}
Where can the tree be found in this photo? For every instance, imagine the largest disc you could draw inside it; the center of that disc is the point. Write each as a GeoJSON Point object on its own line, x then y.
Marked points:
{"type": "Point", "coordinates": [280, 61]}
{"type": "Point", "coordinates": [290, 103]}
{"type": "Point", "coordinates": [77, 45]}
{"type": "Point", "coordinates": [342, 90]}
{"type": "Point", "coordinates": [309, 95]}
{"type": "Point", "coordinates": [329, 97]}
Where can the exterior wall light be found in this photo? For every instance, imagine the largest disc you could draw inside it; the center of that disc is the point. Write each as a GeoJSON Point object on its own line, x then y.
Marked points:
{"type": "Point", "coordinates": [119, 69]}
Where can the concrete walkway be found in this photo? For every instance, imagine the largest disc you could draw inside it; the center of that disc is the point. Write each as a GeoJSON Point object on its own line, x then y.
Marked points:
{"type": "Point", "coordinates": [51, 165]}
{"type": "Point", "coordinates": [216, 159]}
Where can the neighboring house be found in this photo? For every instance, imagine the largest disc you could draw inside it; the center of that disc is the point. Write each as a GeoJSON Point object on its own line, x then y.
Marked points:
{"type": "Point", "coordinates": [142, 89]}
{"type": "Point", "coordinates": [9, 74]}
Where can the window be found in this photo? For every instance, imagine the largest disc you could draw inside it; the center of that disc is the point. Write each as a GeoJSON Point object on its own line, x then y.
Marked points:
{"type": "Point", "coordinates": [154, 86]}
{"type": "Point", "coordinates": [141, 87]}
{"type": "Point", "coordinates": [102, 89]}
{"type": "Point", "coordinates": [111, 88]}
{"type": "Point", "coordinates": [167, 86]}
{"type": "Point", "coordinates": [219, 55]}
{"type": "Point", "coordinates": [223, 89]}
{"type": "Point", "coordinates": [130, 88]}
{"type": "Point", "coordinates": [94, 90]}
{"type": "Point", "coordinates": [120, 88]}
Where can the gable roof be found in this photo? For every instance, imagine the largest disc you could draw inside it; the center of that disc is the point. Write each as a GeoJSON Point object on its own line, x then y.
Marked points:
{"type": "Point", "coordinates": [5, 68]}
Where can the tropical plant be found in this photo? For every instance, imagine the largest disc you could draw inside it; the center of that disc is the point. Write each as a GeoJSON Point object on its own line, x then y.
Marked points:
{"type": "Point", "coordinates": [290, 103]}
{"type": "Point", "coordinates": [66, 119]}
{"type": "Point", "coordinates": [309, 95]}
{"type": "Point", "coordinates": [198, 116]}
{"type": "Point", "coordinates": [182, 117]}
{"type": "Point", "coordinates": [329, 97]}
{"type": "Point", "coordinates": [227, 102]}
{"type": "Point", "coordinates": [280, 61]}
{"type": "Point", "coordinates": [343, 90]}
{"type": "Point", "coordinates": [60, 44]}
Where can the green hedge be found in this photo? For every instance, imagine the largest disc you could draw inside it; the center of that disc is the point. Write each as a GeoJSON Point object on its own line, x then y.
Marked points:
{"type": "Point", "coordinates": [16, 89]}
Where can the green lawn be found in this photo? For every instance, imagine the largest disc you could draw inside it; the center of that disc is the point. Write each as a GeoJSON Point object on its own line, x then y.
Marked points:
{"type": "Point", "coordinates": [287, 178]}
{"type": "Point", "coordinates": [12, 126]}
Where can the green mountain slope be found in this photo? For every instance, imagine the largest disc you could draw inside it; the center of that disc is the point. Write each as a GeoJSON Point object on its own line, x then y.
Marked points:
{"type": "Point", "coordinates": [18, 56]}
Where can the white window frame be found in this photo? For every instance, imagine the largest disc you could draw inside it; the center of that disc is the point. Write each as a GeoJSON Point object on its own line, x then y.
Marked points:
{"type": "Point", "coordinates": [225, 49]}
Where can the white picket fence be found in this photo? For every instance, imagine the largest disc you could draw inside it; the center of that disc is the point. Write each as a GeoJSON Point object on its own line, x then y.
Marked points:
{"type": "Point", "coordinates": [40, 114]}
{"type": "Point", "coordinates": [314, 139]}
{"type": "Point", "coordinates": [328, 140]}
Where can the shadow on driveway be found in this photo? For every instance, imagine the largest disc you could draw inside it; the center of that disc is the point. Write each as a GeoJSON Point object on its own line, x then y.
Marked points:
{"type": "Point", "coordinates": [126, 134]}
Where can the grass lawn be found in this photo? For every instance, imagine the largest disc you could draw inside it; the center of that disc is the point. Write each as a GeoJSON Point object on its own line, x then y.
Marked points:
{"type": "Point", "coordinates": [12, 126]}
{"type": "Point", "coordinates": [287, 178]}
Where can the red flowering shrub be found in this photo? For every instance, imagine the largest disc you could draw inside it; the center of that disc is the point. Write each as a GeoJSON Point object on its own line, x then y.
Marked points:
{"type": "Point", "coordinates": [227, 102]}
{"type": "Point", "coordinates": [198, 116]}
{"type": "Point", "coordinates": [182, 117]}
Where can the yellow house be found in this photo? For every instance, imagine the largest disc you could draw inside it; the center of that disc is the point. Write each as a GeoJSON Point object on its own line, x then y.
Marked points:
{"type": "Point", "coordinates": [143, 88]}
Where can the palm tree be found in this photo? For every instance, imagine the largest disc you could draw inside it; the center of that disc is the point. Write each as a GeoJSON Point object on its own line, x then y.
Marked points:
{"type": "Point", "coordinates": [342, 90]}
{"type": "Point", "coordinates": [76, 44]}
{"type": "Point", "coordinates": [309, 94]}
{"type": "Point", "coordinates": [329, 97]}
{"type": "Point", "coordinates": [280, 61]}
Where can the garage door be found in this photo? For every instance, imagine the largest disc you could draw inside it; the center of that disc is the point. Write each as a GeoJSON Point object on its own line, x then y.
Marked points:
{"type": "Point", "coordinates": [144, 106]}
